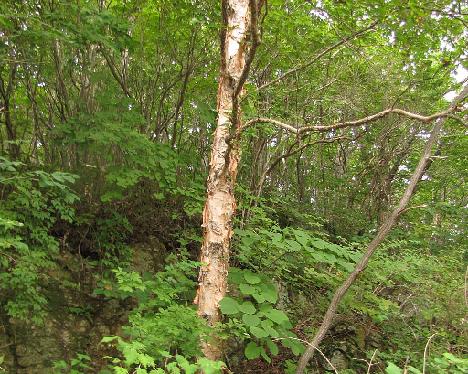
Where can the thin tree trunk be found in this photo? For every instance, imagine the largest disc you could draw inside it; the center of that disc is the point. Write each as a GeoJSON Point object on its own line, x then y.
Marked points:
{"type": "Point", "coordinates": [379, 238]}
{"type": "Point", "coordinates": [239, 39]}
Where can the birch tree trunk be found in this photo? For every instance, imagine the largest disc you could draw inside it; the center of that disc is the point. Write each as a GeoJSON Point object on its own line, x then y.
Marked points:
{"type": "Point", "coordinates": [238, 43]}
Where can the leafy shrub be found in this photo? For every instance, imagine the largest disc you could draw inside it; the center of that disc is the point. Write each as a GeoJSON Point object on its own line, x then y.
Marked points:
{"type": "Point", "coordinates": [34, 202]}
{"type": "Point", "coordinates": [110, 169]}
{"type": "Point", "coordinates": [164, 330]}
{"type": "Point", "coordinates": [253, 317]}
{"type": "Point", "coordinates": [77, 365]}
{"type": "Point", "coordinates": [294, 255]}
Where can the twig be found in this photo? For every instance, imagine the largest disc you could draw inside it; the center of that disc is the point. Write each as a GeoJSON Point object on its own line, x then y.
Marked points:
{"type": "Point", "coordinates": [426, 349]}
{"type": "Point", "coordinates": [370, 362]}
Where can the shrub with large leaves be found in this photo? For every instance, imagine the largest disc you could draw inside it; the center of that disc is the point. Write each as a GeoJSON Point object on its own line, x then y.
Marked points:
{"type": "Point", "coordinates": [254, 318]}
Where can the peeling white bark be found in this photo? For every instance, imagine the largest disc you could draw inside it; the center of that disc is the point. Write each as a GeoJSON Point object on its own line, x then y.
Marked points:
{"type": "Point", "coordinates": [220, 203]}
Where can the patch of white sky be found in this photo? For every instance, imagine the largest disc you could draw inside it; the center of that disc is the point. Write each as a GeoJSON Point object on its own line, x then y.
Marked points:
{"type": "Point", "coordinates": [319, 12]}
{"type": "Point", "coordinates": [460, 74]}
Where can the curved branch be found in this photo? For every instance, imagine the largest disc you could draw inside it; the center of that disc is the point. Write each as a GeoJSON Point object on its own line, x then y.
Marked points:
{"type": "Point", "coordinates": [362, 121]}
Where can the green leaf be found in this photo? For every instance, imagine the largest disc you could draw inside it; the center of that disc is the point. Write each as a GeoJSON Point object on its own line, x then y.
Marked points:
{"type": "Point", "coordinates": [320, 243]}
{"type": "Point", "coordinates": [108, 339]}
{"type": "Point", "coordinates": [392, 369]}
{"type": "Point", "coordinates": [229, 306]}
{"type": "Point", "coordinates": [302, 237]}
{"type": "Point", "coordinates": [277, 316]}
{"type": "Point", "coordinates": [267, 325]}
{"type": "Point", "coordinates": [246, 289]}
{"type": "Point", "coordinates": [269, 292]}
{"type": "Point", "coordinates": [252, 278]}
{"type": "Point", "coordinates": [210, 367]}
{"type": "Point", "coordinates": [145, 360]}
{"type": "Point", "coordinates": [250, 320]}
{"type": "Point", "coordinates": [264, 308]}
{"type": "Point", "coordinates": [265, 356]}
{"type": "Point", "coordinates": [247, 307]}
{"type": "Point", "coordinates": [272, 347]}
{"type": "Point", "coordinates": [258, 332]}
{"type": "Point", "coordinates": [119, 370]}
{"type": "Point", "coordinates": [296, 346]}
{"type": "Point", "coordinates": [259, 297]}
{"type": "Point", "coordinates": [292, 245]}
{"type": "Point", "coordinates": [252, 351]}
{"type": "Point", "coordinates": [235, 275]}
{"type": "Point", "coordinates": [182, 361]}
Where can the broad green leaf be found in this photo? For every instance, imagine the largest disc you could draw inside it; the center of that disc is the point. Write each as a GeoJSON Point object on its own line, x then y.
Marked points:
{"type": "Point", "coordinates": [292, 245]}
{"type": "Point", "coordinates": [302, 237]}
{"type": "Point", "coordinates": [247, 307]}
{"type": "Point", "coordinates": [277, 316]}
{"type": "Point", "coordinates": [252, 278]}
{"type": "Point", "coordinates": [265, 307]}
{"type": "Point", "coordinates": [246, 289]}
{"type": "Point", "coordinates": [392, 369]}
{"type": "Point", "coordinates": [272, 347]}
{"type": "Point", "coordinates": [252, 351]}
{"type": "Point", "coordinates": [319, 243]}
{"type": "Point", "coordinates": [229, 306]}
{"type": "Point", "coordinates": [295, 345]}
{"type": "Point", "coordinates": [267, 325]}
{"type": "Point", "coordinates": [269, 292]}
{"type": "Point", "coordinates": [258, 332]}
{"type": "Point", "coordinates": [250, 320]}
{"type": "Point", "coordinates": [259, 297]}
{"type": "Point", "coordinates": [235, 275]}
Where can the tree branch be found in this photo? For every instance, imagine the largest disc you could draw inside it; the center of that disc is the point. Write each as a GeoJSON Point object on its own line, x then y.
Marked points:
{"type": "Point", "coordinates": [362, 121]}
{"type": "Point", "coordinates": [115, 73]}
{"type": "Point", "coordinates": [255, 7]}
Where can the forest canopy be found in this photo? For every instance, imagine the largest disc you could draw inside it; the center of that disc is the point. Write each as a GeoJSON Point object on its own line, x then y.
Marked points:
{"type": "Point", "coordinates": [234, 186]}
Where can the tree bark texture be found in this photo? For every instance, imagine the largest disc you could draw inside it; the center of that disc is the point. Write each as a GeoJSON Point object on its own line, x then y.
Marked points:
{"type": "Point", "coordinates": [238, 44]}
